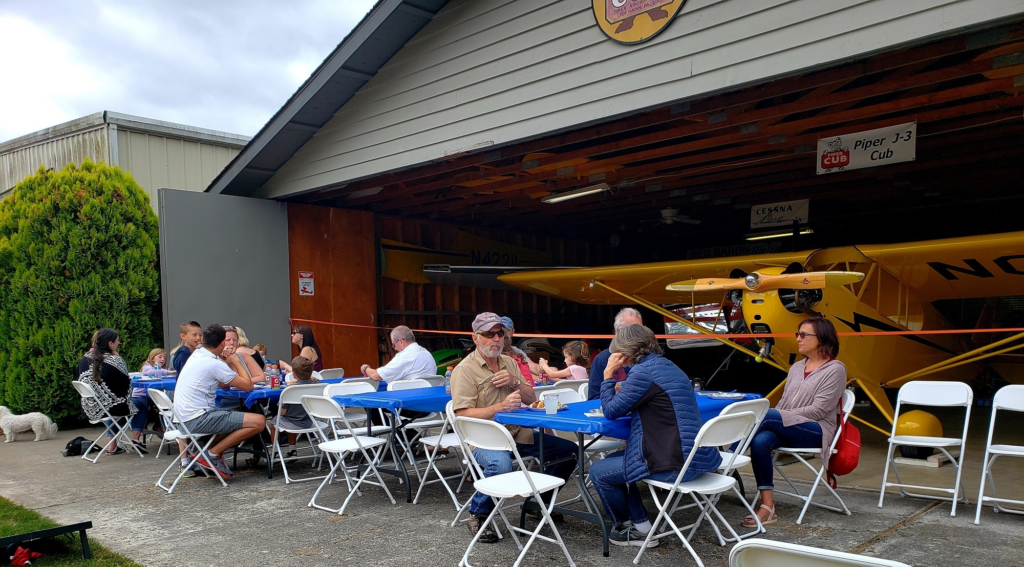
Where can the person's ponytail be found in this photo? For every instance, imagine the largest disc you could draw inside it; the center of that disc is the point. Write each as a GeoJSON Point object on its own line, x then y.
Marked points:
{"type": "Point", "coordinates": [100, 347]}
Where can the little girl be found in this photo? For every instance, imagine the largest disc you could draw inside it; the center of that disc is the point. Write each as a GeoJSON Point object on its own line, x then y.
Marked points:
{"type": "Point", "coordinates": [577, 359]}
{"type": "Point", "coordinates": [154, 366]}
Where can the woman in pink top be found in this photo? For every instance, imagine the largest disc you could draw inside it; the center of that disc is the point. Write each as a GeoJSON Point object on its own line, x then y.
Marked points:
{"type": "Point", "coordinates": [806, 414]}
{"type": "Point", "coordinates": [577, 360]}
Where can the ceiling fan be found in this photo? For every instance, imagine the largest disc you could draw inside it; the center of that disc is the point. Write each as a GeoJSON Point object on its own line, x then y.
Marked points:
{"type": "Point", "coordinates": [671, 215]}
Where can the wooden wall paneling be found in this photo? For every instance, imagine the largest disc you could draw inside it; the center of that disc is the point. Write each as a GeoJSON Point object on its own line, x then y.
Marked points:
{"type": "Point", "coordinates": [338, 246]}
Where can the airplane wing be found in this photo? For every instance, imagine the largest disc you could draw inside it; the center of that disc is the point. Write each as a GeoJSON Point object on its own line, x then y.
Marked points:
{"type": "Point", "coordinates": [647, 281]}
{"type": "Point", "coordinates": [956, 268]}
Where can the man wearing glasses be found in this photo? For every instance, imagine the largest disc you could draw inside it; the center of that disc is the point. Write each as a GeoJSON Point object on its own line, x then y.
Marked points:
{"type": "Point", "coordinates": [411, 361]}
{"type": "Point", "coordinates": [485, 383]}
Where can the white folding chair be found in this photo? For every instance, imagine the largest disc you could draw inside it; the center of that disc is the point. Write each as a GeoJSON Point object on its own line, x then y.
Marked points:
{"type": "Point", "coordinates": [121, 432]}
{"type": "Point", "coordinates": [488, 435]}
{"type": "Point", "coordinates": [289, 378]}
{"type": "Point", "coordinates": [934, 394]}
{"type": "Point", "coordinates": [331, 373]}
{"type": "Point", "coordinates": [731, 461]}
{"type": "Point", "coordinates": [166, 413]}
{"type": "Point", "coordinates": [443, 440]}
{"type": "Point", "coordinates": [293, 395]}
{"type": "Point", "coordinates": [767, 553]}
{"type": "Point", "coordinates": [193, 443]}
{"type": "Point", "coordinates": [562, 395]}
{"type": "Point", "coordinates": [799, 453]}
{"type": "Point", "coordinates": [722, 430]}
{"type": "Point", "coordinates": [324, 409]}
{"type": "Point", "coordinates": [572, 384]}
{"type": "Point", "coordinates": [1008, 398]}
{"type": "Point", "coordinates": [419, 425]}
{"type": "Point", "coordinates": [585, 391]}
{"type": "Point", "coordinates": [362, 380]}
{"type": "Point", "coordinates": [434, 380]}
{"type": "Point", "coordinates": [352, 388]}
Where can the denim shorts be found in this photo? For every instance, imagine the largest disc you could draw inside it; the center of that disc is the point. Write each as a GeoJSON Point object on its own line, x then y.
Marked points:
{"type": "Point", "coordinates": [216, 422]}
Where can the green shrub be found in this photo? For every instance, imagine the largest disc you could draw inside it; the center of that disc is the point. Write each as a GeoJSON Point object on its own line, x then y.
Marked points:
{"type": "Point", "coordinates": [78, 251]}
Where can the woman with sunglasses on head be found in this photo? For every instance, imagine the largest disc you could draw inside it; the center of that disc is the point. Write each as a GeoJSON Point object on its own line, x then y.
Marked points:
{"type": "Point", "coordinates": [302, 337]}
{"type": "Point", "coordinates": [106, 372]}
{"type": "Point", "coordinates": [806, 414]}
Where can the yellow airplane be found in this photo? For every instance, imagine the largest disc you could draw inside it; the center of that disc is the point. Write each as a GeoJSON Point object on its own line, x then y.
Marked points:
{"type": "Point", "coordinates": [862, 289]}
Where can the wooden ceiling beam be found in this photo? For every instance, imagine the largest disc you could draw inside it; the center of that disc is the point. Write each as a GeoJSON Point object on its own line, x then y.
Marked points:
{"type": "Point", "coordinates": [985, 87]}
{"type": "Point", "coordinates": [759, 147]}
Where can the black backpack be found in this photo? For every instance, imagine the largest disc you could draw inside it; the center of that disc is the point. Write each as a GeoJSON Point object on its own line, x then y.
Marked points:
{"type": "Point", "coordinates": [75, 447]}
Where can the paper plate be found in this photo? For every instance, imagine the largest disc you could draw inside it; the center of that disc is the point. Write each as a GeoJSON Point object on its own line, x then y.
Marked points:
{"type": "Point", "coordinates": [726, 395]}
{"type": "Point", "coordinates": [594, 413]}
{"type": "Point", "coordinates": [544, 410]}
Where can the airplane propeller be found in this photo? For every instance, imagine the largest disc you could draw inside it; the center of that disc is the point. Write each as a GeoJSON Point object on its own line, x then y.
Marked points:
{"type": "Point", "coordinates": [764, 282]}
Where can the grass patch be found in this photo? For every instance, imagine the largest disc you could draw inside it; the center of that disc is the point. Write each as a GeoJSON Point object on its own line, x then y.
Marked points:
{"type": "Point", "coordinates": [61, 550]}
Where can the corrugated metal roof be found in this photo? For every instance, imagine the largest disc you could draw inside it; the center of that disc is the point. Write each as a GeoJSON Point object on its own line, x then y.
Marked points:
{"type": "Point", "coordinates": [128, 121]}
{"type": "Point", "coordinates": [381, 34]}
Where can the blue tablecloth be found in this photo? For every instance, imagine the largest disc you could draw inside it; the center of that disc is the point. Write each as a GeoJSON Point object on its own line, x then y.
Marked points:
{"type": "Point", "coordinates": [432, 399]}
{"type": "Point", "coordinates": [161, 384]}
{"type": "Point", "coordinates": [573, 419]}
{"type": "Point", "coordinates": [250, 398]}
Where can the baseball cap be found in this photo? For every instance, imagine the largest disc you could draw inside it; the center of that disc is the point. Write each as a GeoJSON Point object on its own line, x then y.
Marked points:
{"type": "Point", "coordinates": [507, 323]}
{"type": "Point", "coordinates": [486, 322]}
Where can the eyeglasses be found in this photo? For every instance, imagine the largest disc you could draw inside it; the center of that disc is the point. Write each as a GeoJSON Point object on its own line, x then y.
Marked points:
{"type": "Point", "coordinates": [803, 335]}
{"type": "Point", "coordinates": [492, 334]}
{"type": "Point", "coordinates": [395, 342]}
{"type": "Point", "coordinates": [296, 333]}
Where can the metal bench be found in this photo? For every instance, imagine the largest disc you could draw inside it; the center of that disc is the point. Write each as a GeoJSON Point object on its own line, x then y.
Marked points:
{"type": "Point", "coordinates": [52, 532]}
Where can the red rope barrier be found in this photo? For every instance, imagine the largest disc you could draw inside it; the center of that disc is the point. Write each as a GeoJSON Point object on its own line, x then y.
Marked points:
{"type": "Point", "coordinates": [686, 337]}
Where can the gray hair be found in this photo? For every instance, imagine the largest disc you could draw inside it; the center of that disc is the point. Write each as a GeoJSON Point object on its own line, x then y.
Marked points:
{"type": "Point", "coordinates": [635, 341]}
{"type": "Point", "coordinates": [404, 333]}
{"type": "Point", "coordinates": [620, 319]}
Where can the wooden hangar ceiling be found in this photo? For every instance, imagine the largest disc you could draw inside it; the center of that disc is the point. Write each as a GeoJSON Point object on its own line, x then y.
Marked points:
{"type": "Point", "coordinates": [713, 157]}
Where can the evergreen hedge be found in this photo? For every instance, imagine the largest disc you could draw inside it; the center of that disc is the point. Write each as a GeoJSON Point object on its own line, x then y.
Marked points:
{"type": "Point", "coordinates": [78, 251]}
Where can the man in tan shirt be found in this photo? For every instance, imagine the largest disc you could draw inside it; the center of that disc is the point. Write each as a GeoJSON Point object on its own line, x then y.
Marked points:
{"type": "Point", "coordinates": [485, 383]}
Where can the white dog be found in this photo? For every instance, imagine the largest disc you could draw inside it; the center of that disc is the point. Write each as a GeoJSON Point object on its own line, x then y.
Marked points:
{"type": "Point", "coordinates": [12, 425]}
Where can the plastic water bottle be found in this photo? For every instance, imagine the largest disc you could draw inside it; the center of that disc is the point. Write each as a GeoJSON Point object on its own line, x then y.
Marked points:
{"type": "Point", "coordinates": [448, 380]}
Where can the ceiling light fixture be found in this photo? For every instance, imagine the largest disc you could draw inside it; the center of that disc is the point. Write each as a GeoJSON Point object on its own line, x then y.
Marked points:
{"type": "Point", "coordinates": [364, 193]}
{"type": "Point", "coordinates": [768, 235]}
{"type": "Point", "coordinates": [576, 193]}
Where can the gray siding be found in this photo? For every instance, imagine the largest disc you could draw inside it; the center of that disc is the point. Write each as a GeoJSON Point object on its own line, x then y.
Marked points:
{"type": "Point", "coordinates": [55, 153]}
{"type": "Point", "coordinates": [486, 73]}
{"type": "Point", "coordinates": [159, 162]}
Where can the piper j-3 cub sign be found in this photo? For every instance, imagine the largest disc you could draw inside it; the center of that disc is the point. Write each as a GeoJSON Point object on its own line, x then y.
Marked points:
{"type": "Point", "coordinates": [635, 21]}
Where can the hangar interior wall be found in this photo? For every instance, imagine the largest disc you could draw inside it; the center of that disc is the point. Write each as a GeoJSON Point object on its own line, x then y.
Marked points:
{"type": "Point", "coordinates": [484, 74]}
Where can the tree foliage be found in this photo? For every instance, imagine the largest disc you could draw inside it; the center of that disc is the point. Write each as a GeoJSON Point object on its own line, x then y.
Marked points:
{"type": "Point", "coordinates": [78, 251]}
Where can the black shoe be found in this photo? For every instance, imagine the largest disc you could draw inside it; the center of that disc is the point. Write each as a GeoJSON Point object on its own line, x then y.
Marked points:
{"type": "Point", "coordinates": [141, 447]}
{"type": "Point", "coordinates": [488, 535]}
{"type": "Point", "coordinates": [556, 517]}
{"type": "Point", "coordinates": [119, 450]}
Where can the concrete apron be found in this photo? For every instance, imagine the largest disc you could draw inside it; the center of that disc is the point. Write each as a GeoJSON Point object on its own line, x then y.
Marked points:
{"type": "Point", "coordinates": [261, 521]}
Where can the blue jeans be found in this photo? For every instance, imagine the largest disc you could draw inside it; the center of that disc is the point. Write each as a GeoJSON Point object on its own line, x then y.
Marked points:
{"type": "Point", "coordinates": [138, 422]}
{"type": "Point", "coordinates": [621, 500]}
{"type": "Point", "coordinates": [770, 436]}
{"type": "Point", "coordinates": [500, 462]}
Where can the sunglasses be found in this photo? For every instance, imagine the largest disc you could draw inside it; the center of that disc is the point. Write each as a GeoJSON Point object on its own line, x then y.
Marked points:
{"type": "Point", "coordinates": [803, 335]}
{"type": "Point", "coordinates": [491, 334]}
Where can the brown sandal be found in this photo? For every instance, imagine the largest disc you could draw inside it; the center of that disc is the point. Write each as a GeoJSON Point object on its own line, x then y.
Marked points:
{"type": "Point", "coordinates": [771, 518]}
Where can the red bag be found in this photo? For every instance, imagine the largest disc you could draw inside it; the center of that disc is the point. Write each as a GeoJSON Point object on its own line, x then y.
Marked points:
{"type": "Point", "coordinates": [847, 455]}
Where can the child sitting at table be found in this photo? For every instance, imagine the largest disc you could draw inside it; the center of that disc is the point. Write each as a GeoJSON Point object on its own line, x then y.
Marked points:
{"type": "Point", "coordinates": [294, 416]}
{"type": "Point", "coordinates": [577, 360]}
{"type": "Point", "coordinates": [154, 367]}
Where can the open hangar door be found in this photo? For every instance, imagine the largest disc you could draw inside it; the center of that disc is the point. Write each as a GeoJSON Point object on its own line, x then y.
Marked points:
{"type": "Point", "coordinates": [223, 260]}
{"type": "Point", "coordinates": [680, 181]}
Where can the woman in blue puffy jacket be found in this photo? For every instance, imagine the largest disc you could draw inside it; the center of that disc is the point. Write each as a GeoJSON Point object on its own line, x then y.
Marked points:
{"type": "Point", "coordinates": [665, 421]}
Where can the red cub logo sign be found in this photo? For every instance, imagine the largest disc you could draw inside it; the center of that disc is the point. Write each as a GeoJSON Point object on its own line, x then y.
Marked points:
{"type": "Point", "coordinates": [837, 155]}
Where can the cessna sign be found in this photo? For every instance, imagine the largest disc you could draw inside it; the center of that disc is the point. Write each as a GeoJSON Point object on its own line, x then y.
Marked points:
{"type": "Point", "coordinates": [868, 149]}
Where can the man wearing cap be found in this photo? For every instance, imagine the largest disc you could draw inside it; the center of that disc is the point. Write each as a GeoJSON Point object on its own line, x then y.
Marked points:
{"type": "Point", "coordinates": [510, 329]}
{"type": "Point", "coordinates": [486, 383]}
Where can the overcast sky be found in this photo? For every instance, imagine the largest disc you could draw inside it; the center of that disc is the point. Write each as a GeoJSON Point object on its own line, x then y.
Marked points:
{"type": "Point", "coordinates": [221, 64]}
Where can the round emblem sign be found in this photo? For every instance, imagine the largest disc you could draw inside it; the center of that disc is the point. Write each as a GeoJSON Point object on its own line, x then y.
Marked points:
{"type": "Point", "coordinates": [635, 21]}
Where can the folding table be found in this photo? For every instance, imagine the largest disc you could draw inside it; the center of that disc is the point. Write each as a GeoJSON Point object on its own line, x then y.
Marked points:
{"type": "Point", "coordinates": [432, 399]}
